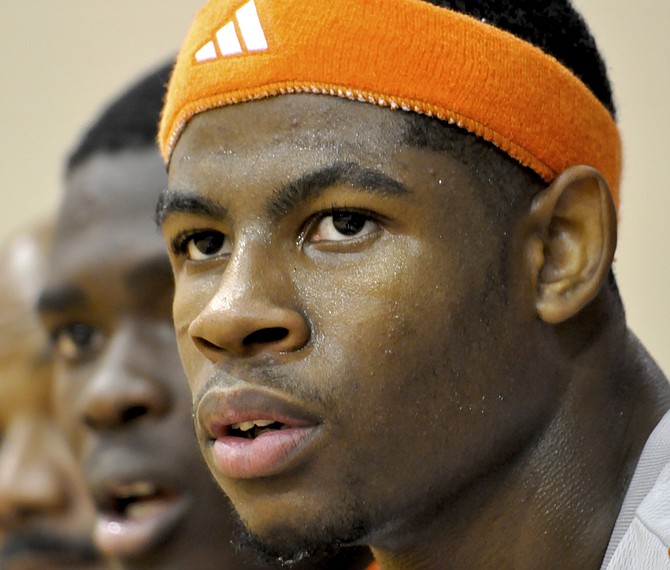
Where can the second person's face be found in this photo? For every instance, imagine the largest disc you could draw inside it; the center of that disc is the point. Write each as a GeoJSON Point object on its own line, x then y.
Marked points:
{"type": "Point", "coordinates": [120, 391]}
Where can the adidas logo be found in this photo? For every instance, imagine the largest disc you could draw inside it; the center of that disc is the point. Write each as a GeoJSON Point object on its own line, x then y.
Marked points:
{"type": "Point", "coordinates": [227, 38]}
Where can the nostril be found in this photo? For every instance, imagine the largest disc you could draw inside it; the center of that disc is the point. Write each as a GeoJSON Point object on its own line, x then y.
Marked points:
{"type": "Point", "coordinates": [204, 344]}
{"type": "Point", "coordinates": [265, 336]}
{"type": "Point", "coordinates": [130, 414]}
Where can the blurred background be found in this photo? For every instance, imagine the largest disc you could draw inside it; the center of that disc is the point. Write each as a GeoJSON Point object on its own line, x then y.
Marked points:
{"type": "Point", "coordinates": [62, 60]}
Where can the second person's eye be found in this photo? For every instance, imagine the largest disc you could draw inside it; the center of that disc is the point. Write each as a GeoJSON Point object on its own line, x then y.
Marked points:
{"type": "Point", "coordinates": [76, 340]}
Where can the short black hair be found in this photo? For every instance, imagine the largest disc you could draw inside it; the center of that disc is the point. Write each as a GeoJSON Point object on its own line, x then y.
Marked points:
{"type": "Point", "coordinates": [554, 26]}
{"type": "Point", "coordinates": [129, 121]}
{"type": "Point", "coordinates": [558, 30]}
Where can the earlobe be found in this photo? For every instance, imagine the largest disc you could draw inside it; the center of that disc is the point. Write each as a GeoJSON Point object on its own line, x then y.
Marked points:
{"type": "Point", "coordinates": [573, 243]}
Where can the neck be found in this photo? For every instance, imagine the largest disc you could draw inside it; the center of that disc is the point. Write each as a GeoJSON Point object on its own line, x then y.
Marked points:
{"type": "Point", "coordinates": [555, 503]}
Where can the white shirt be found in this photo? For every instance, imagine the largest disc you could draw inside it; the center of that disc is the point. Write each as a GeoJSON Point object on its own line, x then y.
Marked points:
{"type": "Point", "coordinates": [641, 535]}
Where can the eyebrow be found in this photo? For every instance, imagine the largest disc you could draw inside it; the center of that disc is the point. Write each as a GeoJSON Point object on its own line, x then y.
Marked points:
{"type": "Point", "coordinates": [171, 202]}
{"type": "Point", "coordinates": [311, 185]}
{"type": "Point", "coordinates": [307, 187]}
{"type": "Point", "coordinates": [61, 299]}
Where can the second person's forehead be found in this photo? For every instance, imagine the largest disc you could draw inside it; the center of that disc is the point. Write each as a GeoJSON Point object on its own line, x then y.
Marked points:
{"type": "Point", "coordinates": [107, 265]}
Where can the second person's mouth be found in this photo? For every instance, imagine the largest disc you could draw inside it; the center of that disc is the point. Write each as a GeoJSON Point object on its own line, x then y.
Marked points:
{"type": "Point", "coordinates": [136, 516]}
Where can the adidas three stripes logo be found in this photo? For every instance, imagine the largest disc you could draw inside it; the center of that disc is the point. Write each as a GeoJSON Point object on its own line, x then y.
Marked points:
{"type": "Point", "coordinates": [242, 34]}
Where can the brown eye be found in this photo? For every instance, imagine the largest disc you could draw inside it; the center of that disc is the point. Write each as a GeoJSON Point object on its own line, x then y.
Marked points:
{"type": "Point", "coordinates": [76, 340]}
{"type": "Point", "coordinates": [344, 225]}
{"type": "Point", "coordinates": [349, 223]}
{"type": "Point", "coordinates": [205, 245]}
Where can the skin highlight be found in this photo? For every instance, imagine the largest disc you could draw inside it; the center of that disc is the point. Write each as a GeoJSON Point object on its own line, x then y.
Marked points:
{"type": "Point", "coordinates": [46, 515]}
{"type": "Point", "coordinates": [448, 377]}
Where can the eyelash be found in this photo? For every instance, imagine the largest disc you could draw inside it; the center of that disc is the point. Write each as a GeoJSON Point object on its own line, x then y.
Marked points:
{"type": "Point", "coordinates": [179, 243]}
{"type": "Point", "coordinates": [316, 218]}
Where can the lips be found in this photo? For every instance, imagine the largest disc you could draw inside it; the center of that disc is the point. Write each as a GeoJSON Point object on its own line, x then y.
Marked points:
{"type": "Point", "coordinates": [134, 517]}
{"type": "Point", "coordinates": [252, 433]}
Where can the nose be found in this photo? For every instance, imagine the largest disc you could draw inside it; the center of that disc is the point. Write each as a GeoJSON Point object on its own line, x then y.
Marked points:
{"type": "Point", "coordinates": [30, 485]}
{"type": "Point", "coordinates": [250, 313]}
{"type": "Point", "coordinates": [123, 389]}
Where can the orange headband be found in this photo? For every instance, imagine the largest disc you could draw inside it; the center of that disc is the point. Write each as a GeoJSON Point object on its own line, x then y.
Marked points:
{"type": "Point", "coordinates": [404, 54]}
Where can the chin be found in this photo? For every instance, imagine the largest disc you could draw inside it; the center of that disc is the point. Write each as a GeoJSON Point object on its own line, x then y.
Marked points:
{"type": "Point", "coordinates": [296, 536]}
{"type": "Point", "coordinates": [288, 546]}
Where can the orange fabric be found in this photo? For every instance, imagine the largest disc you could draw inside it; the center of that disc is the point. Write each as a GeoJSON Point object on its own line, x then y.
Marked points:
{"type": "Point", "coordinates": [373, 566]}
{"type": "Point", "coordinates": [405, 54]}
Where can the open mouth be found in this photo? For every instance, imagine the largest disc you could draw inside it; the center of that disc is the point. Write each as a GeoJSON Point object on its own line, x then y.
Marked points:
{"type": "Point", "coordinates": [252, 429]}
{"type": "Point", "coordinates": [259, 447]}
{"type": "Point", "coordinates": [253, 432]}
{"type": "Point", "coordinates": [135, 500]}
{"type": "Point", "coordinates": [135, 517]}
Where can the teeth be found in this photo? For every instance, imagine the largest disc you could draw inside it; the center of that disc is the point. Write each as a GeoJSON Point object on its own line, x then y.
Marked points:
{"type": "Point", "coordinates": [139, 489]}
{"type": "Point", "coordinates": [246, 426]}
{"type": "Point", "coordinates": [263, 423]}
{"type": "Point", "coordinates": [146, 509]}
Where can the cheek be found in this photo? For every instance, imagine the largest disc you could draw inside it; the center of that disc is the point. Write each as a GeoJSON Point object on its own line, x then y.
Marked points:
{"type": "Point", "coordinates": [399, 295]}
{"type": "Point", "coordinates": [187, 303]}
{"type": "Point", "coordinates": [191, 296]}
{"type": "Point", "coordinates": [194, 365]}
{"type": "Point", "coordinates": [414, 325]}
{"type": "Point", "coordinates": [379, 321]}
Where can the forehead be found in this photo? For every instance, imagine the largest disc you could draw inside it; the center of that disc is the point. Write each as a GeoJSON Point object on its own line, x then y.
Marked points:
{"type": "Point", "coordinates": [318, 118]}
{"type": "Point", "coordinates": [311, 128]}
{"type": "Point", "coordinates": [107, 213]}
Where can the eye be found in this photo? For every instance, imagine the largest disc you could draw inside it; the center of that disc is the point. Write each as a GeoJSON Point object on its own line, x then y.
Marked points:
{"type": "Point", "coordinates": [202, 245]}
{"type": "Point", "coordinates": [344, 225]}
{"type": "Point", "coordinates": [76, 340]}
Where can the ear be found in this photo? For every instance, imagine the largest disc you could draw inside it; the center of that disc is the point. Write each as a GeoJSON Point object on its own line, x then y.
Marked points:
{"type": "Point", "coordinates": [572, 245]}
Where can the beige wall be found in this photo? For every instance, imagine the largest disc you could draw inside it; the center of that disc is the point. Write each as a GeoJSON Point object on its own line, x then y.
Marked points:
{"type": "Point", "coordinates": [61, 59]}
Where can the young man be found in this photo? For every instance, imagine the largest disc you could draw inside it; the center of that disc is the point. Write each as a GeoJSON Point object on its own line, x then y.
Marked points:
{"type": "Point", "coordinates": [391, 225]}
{"type": "Point", "coordinates": [46, 515]}
{"type": "Point", "coordinates": [107, 305]}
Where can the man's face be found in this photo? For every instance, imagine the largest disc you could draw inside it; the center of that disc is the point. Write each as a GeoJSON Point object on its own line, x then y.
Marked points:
{"type": "Point", "coordinates": [46, 515]}
{"type": "Point", "coordinates": [351, 287]}
{"type": "Point", "coordinates": [120, 386]}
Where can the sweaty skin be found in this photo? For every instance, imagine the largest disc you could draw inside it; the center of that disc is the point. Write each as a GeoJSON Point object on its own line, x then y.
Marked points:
{"type": "Point", "coordinates": [46, 515]}
{"type": "Point", "coordinates": [120, 384]}
{"type": "Point", "coordinates": [354, 288]}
